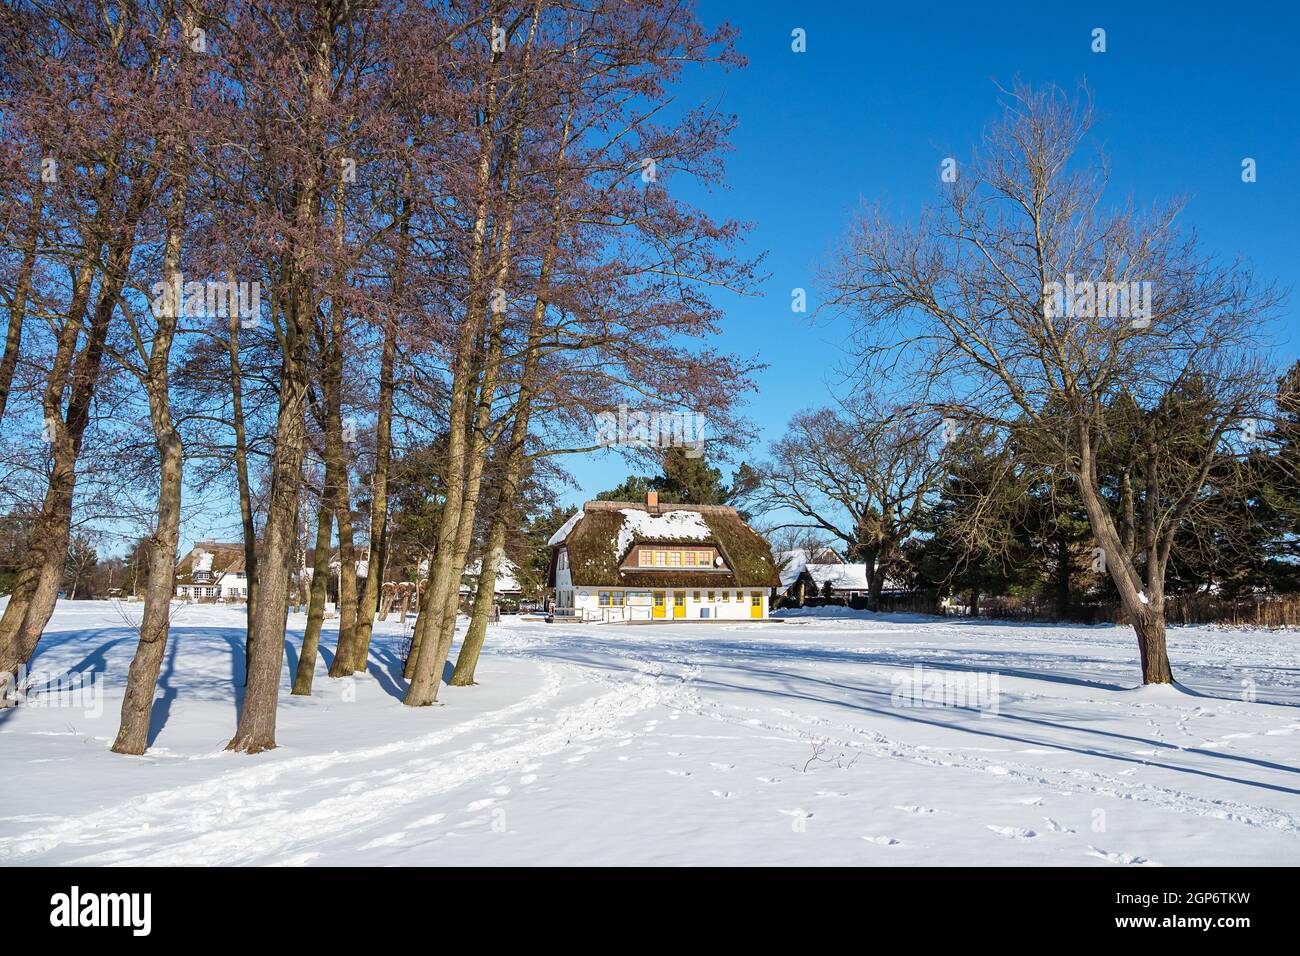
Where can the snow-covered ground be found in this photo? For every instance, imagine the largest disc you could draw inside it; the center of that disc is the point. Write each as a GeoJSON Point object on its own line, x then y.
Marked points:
{"type": "Point", "coordinates": [772, 743]}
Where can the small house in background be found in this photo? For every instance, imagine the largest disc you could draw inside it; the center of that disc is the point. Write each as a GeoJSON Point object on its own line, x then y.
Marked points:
{"type": "Point", "coordinates": [824, 573]}
{"type": "Point", "coordinates": [639, 561]}
{"type": "Point", "coordinates": [507, 589]}
{"type": "Point", "coordinates": [212, 571]}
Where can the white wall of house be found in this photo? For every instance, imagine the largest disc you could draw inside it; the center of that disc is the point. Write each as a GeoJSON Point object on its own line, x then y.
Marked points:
{"type": "Point", "coordinates": [231, 587]}
{"type": "Point", "coordinates": [637, 604]}
{"type": "Point", "coordinates": [234, 587]}
{"type": "Point", "coordinates": [198, 591]}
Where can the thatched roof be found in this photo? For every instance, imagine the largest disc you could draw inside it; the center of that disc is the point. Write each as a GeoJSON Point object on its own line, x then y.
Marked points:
{"type": "Point", "coordinates": [600, 536]}
{"type": "Point", "coordinates": [219, 557]}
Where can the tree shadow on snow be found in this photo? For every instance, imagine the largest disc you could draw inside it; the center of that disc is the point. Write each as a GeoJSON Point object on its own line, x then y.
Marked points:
{"type": "Point", "coordinates": [752, 658]}
{"type": "Point", "coordinates": [385, 665]}
{"type": "Point", "coordinates": [162, 705]}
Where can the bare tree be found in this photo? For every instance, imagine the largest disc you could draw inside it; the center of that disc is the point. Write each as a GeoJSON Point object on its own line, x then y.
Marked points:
{"type": "Point", "coordinates": [863, 473]}
{"type": "Point", "coordinates": [1025, 303]}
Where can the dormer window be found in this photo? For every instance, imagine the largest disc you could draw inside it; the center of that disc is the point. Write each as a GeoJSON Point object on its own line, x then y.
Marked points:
{"type": "Point", "coordinates": [651, 556]}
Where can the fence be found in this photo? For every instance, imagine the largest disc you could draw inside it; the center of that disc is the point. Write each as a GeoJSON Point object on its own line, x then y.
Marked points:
{"type": "Point", "coordinates": [1253, 611]}
{"type": "Point", "coordinates": [1281, 610]}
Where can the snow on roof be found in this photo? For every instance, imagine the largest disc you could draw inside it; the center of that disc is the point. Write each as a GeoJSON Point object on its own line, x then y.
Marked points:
{"type": "Point", "coordinates": [791, 565]}
{"type": "Point", "coordinates": [563, 531]}
{"type": "Point", "coordinates": [842, 577]}
{"type": "Point", "coordinates": [506, 569]}
{"type": "Point", "coordinates": [669, 526]}
{"type": "Point", "coordinates": [203, 561]}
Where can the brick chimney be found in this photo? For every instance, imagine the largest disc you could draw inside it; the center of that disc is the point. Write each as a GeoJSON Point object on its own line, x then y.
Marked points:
{"type": "Point", "coordinates": [652, 502]}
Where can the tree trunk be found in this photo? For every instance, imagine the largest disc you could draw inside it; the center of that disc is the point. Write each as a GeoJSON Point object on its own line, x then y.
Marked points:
{"type": "Point", "coordinates": [316, 600]}
{"type": "Point", "coordinates": [479, 440]}
{"type": "Point", "coordinates": [142, 678]}
{"type": "Point", "coordinates": [467, 659]}
{"type": "Point", "coordinates": [256, 730]}
{"type": "Point", "coordinates": [245, 487]}
{"type": "Point", "coordinates": [37, 587]}
{"type": "Point", "coordinates": [347, 570]}
{"type": "Point", "coordinates": [423, 613]}
{"type": "Point", "coordinates": [22, 288]}
{"type": "Point", "coordinates": [484, 598]}
{"type": "Point", "coordinates": [1145, 611]}
{"type": "Point", "coordinates": [1150, 630]}
{"type": "Point", "coordinates": [425, 663]}
{"type": "Point", "coordinates": [352, 657]}
{"type": "Point", "coordinates": [875, 585]}
{"type": "Point", "coordinates": [155, 624]}
{"type": "Point", "coordinates": [1063, 561]}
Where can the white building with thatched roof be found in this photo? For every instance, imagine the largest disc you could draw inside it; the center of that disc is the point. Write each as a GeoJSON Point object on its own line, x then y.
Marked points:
{"type": "Point", "coordinates": [212, 571]}
{"type": "Point", "coordinates": [631, 561]}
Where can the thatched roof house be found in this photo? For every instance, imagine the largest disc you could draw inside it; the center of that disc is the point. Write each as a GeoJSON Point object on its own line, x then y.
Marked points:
{"type": "Point", "coordinates": [682, 561]}
{"type": "Point", "coordinates": [213, 570]}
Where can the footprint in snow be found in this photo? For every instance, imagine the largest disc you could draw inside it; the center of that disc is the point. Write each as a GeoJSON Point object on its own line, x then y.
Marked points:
{"type": "Point", "coordinates": [768, 779]}
{"type": "Point", "coordinates": [1122, 859]}
{"type": "Point", "coordinates": [481, 804]}
{"type": "Point", "coordinates": [722, 794]}
{"type": "Point", "coordinates": [678, 773]}
{"type": "Point", "coordinates": [528, 778]}
{"type": "Point", "coordinates": [798, 813]}
{"type": "Point", "coordinates": [911, 808]}
{"type": "Point", "coordinates": [426, 821]}
{"type": "Point", "coordinates": [1013, 833]}
{"type": "Point", "coordinates": [501, 790]}
{"type": "Point", "coordinates": [387, 840]}
{"type": "Point", "coordinates": [882, 840]}
{"type": "Point", "coordinates": [723, 766]}
{"type": "Point", "coordinates": [1031, 801]}
{"type": "Point", "coordinates": [1058, 827]}
{"type": "Point", "coordinates": [832, 793]}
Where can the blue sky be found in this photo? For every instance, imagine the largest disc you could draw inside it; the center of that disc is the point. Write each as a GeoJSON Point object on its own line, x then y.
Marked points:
{"type": "Point", "coordinates": [1182, 94]}
{"type": "Point", "coordinates": [884, 91]}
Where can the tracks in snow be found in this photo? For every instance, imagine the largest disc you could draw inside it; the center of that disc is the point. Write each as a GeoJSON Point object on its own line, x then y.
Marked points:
{"type": "Point", "coordinates": [275, 812]}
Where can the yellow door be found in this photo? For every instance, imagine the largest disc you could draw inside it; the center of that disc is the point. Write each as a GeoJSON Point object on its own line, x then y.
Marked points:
{"type": "Point", "coordinates": [679, 604]}
{"type": "Point", "coordinates": [658, 609]}
{"type": "Point", "coordinates": [755, 603]}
